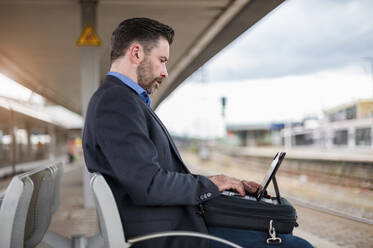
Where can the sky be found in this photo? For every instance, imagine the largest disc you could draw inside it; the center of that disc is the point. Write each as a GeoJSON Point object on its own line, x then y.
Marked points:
{"type": "Point", "coordinates": [305, 56]}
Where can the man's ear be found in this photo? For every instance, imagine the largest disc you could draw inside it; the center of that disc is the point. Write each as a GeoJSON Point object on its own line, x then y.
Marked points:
{"type": "Point", "coordinates": [136, 52]}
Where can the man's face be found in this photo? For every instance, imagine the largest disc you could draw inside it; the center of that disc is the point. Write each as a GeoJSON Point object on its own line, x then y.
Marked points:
{"type": "Point", "coordinates": [152, 69]}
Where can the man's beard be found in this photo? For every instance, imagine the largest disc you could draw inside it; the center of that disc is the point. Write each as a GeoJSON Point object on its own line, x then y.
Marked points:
{"type": "Point", "coordinates": [145, 76]}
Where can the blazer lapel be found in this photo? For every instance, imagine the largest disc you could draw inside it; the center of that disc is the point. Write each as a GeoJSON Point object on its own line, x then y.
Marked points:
{"type": "Point", "coordinates": [169, 138]}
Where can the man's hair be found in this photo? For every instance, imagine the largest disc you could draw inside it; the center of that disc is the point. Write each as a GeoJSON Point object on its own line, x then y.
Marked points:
{"type": "Point", "coordinates": [143, 30]}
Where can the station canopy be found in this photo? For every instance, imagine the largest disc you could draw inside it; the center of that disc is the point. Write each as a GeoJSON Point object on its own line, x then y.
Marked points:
{"type": "Point", "coordinates": [38, 39]}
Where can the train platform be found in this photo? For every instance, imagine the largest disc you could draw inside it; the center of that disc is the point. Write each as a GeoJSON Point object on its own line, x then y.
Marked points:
{"type": "Point", "coordinates": [321, 229]}
{"type": "Point", "coordinates": [342, 154]}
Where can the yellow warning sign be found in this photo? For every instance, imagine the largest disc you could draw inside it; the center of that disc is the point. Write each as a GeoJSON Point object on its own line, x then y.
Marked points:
{"type": "Point", "coordinates": [88, 37]}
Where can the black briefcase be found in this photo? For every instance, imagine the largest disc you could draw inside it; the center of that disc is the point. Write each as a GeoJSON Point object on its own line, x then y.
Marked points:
{"type": "Point", "coordinates": [253, 212]}
{"type": "Point", "coordinates": [238, 212]}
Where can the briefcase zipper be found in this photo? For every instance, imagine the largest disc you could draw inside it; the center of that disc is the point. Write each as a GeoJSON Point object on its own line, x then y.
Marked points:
{"type": "Point", "coordinates": [248, 207]}
{"type": "Point", "coordinates": [283, 219]}
{"type": "Point", "coordinates": [239, 209]}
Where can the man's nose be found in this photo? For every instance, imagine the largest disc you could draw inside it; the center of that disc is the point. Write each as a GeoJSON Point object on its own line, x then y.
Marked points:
{"type": "Point", "coordinates": [164, 72]}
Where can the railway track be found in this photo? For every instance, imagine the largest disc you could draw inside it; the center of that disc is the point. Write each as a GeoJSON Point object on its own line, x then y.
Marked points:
{"type": "Point", "coordinates": [326, 210]}
{"type": "Point", "coordinates": [338, 229]}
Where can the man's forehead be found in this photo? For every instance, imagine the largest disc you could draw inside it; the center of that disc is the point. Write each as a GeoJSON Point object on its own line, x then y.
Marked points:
{"type": "Point", "coordinates": [162, 48]}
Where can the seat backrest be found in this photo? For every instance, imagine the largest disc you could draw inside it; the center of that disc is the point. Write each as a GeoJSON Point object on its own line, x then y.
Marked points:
{"type": "Point", "coordinates": [108, 216]}
{"type": "Point", "coordinates": [111, 229]}
{"type": "Point", "coordinates": [13, 211]}
{"type": "Point", "coordinates": [40, 209]}
{"type": "Point", "coordinates": [58, 170]}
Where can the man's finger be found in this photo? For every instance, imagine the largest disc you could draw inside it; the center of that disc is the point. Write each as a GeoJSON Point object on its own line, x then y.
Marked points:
{"type": "Point", "coordinates": [250, 188]}
{"type": "Point", "coordinates": [260, 187]}
{"type": "Point", "coordinates": [239, 188]}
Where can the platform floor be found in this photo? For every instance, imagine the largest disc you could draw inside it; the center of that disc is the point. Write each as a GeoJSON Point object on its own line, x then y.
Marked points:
{"type": "Point", "coordinates": [342, 154]}
{"type": "Point", "coordinates": [71, 218]}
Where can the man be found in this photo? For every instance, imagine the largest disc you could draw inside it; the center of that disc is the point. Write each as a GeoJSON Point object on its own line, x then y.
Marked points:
{"type": "Point", "coordinates": [126, 142]}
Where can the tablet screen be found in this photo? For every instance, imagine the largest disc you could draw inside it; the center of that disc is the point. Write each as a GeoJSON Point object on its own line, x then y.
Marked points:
{"type": "Point", "coordinates": [272, 171]}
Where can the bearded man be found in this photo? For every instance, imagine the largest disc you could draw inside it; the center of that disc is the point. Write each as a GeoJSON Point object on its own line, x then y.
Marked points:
{"type": "Point", "coordinates": [126, 142]}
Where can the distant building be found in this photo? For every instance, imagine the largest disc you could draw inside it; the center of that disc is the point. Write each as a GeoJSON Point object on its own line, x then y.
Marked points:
{"type": "Point", "coordinates": [355, 110]}
{"type": "Point", "coordinates": [260, 134]}
{"type": "Point", "coordinates": [304, 133]}
{"type": "Point", "coordinates": [349, 125]}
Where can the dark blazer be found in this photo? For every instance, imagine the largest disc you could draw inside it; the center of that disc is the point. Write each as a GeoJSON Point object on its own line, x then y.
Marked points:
{"type": "Point", "coordinates": [125, 141]}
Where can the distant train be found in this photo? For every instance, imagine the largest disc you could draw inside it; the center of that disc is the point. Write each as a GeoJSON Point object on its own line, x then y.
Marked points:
{"type": "Point", "coordinates": [27, 136]}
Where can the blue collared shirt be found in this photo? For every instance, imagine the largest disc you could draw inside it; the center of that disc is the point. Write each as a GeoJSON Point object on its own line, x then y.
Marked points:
{"type": "Point", "coordinates": [130, 83]}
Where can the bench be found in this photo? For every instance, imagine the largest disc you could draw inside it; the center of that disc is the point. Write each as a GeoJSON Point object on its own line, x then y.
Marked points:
{"type": "Point", "coordinates": [110, 226]}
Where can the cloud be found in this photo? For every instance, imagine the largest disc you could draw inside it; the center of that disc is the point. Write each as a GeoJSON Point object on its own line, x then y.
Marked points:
{"type": "Point", "coordinates": [300, 37]}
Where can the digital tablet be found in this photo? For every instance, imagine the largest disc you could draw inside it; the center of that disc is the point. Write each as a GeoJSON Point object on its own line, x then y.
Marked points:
{"type": "Point", "coordinates": [271, 172]}
{"type": "Point", "coordinates": [269, 176]}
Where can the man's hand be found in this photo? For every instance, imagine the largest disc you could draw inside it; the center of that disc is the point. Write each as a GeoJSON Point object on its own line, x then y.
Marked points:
{"type": "Point", "coordinates": [224, 183]}
{"type": "Point", "coordinates": [251, 188]}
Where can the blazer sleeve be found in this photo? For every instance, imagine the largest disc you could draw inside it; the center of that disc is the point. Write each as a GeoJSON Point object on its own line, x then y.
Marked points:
{"type": "Point", "coordinates": [122, 134]}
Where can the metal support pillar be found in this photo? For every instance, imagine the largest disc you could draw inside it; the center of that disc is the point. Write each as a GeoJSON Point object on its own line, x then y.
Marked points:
{"type": "Point", "coordinates": [90, 78]}
{"type": "Point", "coordinates": [13, 130]}
{"type": "Point", "coordinates": [52, 145]}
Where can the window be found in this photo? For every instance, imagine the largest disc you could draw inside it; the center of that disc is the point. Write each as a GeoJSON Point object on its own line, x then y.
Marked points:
{"type": "Point", "coordinates": [340, 137]}
{"type": "Point", "coordinates": [351, 113]}
{"type": "Point", "coordinates": [363, 136]}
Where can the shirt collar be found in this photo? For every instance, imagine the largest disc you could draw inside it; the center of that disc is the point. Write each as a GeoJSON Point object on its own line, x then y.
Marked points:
{"type": "Point", "coordinates": [133, 85]}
